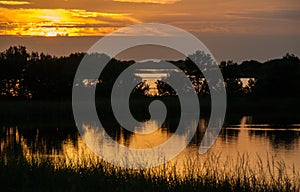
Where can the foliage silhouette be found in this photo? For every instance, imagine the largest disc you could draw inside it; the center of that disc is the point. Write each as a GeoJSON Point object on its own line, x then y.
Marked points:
{"type": "Point", "coordinates": [40, 76]}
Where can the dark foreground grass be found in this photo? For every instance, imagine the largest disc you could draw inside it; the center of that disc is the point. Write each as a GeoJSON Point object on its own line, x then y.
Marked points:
{"type": "Point", "coordinates": [209, 175]}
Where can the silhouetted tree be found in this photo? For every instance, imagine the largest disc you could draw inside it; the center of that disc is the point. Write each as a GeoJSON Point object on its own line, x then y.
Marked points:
{"type": "Point", "coordinates": [164, 89]}
{"type": "Point", "coordinates": [279, 78]}
{"type": "Point", "coordinates": [141, 89]}
{"type": "Point", "coordinates": [13, 66]}
{"type": "Point", "coordinates": [231, 75]}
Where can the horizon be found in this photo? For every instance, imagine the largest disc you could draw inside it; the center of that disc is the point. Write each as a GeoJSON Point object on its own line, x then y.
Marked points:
{"type": "Point", "coordinates": [52, 46]}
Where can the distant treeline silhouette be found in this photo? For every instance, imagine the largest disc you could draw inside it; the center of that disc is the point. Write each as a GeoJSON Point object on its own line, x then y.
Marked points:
{"type": "Point", "coordinates": [39, 76]}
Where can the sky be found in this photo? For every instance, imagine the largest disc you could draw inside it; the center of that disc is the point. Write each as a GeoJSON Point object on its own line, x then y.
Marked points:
{"type": "Point", "coordinates": [231, 29]}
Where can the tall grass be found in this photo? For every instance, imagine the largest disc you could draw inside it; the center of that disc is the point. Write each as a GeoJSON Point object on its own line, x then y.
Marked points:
{"type": "Point", "coordinates": [89, 174]}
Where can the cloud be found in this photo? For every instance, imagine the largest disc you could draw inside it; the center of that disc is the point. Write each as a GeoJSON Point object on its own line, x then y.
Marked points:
{"type": "Point", "coordinates": [61, 22]}
{"type": "Point", "coordinates": [284, 14]}
{"type": "Point", "coordinates": [15, 2]}
{"type": "Point", "coordinates": [164, 2]}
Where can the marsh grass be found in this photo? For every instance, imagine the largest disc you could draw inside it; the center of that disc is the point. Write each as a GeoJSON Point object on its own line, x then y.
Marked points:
{"type": "Point", "coordinates": [214, 173]}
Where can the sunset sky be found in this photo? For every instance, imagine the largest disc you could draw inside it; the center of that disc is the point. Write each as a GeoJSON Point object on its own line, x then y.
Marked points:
{"type": "Point", "coordinates": [231, 29]}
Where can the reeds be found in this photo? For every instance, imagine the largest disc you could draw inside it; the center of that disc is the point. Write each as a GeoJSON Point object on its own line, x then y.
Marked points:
{"type": "Point", "coordinates": [212, 173]}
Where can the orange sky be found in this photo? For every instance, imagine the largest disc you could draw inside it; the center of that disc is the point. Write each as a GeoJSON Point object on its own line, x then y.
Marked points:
{"type": "Point", "coordinates": [99, 17]}
{"type": "Point", "coordinates": [215, 18]}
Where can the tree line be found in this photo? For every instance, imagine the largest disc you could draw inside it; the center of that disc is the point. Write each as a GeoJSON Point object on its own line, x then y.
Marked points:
{"type": "Point", "coordinates": [39, 76]}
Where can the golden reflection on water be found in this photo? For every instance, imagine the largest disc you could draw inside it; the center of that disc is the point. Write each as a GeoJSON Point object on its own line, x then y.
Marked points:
{"type": "Point", "coordinates": [231, 144]}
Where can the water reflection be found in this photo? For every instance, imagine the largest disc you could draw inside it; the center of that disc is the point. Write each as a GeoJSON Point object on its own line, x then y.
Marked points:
{"type": "Point", "coordinates": [244, 134]}
{"type": "Point", "coordinates": [279, 139]}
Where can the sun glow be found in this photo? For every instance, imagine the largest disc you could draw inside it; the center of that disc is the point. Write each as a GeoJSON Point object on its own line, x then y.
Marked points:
{"type": "Point", "coordinates": [51, 34]}
{"type": "Point", "coordinates": [60, 22]}
{"type": "Point", "coordinates": [15, 2]}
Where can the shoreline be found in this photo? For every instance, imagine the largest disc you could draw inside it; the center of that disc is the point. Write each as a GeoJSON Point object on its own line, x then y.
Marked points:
{"type": "Point", "coordinates": [62, 109]}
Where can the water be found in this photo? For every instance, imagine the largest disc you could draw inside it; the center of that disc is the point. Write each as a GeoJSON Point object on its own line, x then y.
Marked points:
{"type": "Point", "coordinates": [253, 136]}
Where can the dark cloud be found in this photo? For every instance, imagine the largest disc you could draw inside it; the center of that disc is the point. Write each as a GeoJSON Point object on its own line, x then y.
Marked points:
{"type": "Point", "coordinates": [293, 14]}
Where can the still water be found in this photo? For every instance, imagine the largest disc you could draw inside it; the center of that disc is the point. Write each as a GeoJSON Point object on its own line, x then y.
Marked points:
{"type": "Point", "coordinates": [254, 136]}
